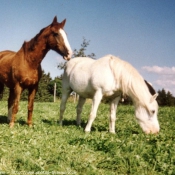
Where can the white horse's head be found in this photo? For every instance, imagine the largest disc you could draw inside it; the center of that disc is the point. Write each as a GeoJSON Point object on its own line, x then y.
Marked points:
{"type": "Point", "coordinates": [147, 116]}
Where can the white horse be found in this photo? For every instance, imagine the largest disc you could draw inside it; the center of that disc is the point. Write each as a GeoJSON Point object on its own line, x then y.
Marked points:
{"type": "Point", "coordinates": [107, 78]}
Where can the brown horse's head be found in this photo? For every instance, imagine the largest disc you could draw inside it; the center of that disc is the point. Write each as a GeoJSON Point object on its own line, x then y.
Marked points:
{"type": "Point", "coordinates": [58, 41]}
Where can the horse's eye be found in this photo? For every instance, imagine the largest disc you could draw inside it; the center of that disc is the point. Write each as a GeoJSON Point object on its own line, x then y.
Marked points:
{"type": "Point", "coordinates": [55, 34]}
{"type": "Point", "coordinates": [153, 111]}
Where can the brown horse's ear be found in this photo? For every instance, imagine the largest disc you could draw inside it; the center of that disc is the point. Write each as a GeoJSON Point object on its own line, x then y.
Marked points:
{"type": "Point", "coordinates": [54, 20]}
{"type": "Point", "coordinates": [62, 23]}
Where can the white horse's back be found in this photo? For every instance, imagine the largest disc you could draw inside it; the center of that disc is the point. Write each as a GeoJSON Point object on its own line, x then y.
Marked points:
{"type": "Point", "coordinates": [85, 76]}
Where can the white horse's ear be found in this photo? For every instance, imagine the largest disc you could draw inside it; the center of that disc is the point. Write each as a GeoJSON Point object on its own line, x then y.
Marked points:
{"type": "Point", "coordinates": [154, 97]}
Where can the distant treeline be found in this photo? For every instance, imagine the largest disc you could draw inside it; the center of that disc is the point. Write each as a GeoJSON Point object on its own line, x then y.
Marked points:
{"type": "Point", "coordinates": [46, 92]}
{"type": "Point", "coordinates": [164, 99]}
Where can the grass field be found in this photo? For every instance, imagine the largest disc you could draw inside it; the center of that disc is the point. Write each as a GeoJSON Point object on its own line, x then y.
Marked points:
{"type": "Point", "coordinates": [48, 148]}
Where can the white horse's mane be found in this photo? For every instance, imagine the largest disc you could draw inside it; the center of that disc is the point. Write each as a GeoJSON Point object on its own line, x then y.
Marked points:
{"type": "Point", "coordinates": [131, 82]}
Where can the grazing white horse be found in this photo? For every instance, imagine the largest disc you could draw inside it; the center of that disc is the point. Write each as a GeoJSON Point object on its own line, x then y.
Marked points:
{"type": "Point", "coordinates": [106, 79]}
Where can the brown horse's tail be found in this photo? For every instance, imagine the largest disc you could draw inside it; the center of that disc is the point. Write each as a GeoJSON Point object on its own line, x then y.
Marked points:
{"type": "Point", "coordinates": [1, 90]}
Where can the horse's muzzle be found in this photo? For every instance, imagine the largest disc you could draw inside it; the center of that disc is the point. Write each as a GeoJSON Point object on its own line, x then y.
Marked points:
{"type": "Point", "coordinates": [153, 131]}
{"type": "Point", "coordinates": [66, 58]}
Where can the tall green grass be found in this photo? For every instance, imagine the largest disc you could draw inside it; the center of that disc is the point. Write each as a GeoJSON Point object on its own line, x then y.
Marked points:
{"type": "Point", "coordinates": [48, 148]}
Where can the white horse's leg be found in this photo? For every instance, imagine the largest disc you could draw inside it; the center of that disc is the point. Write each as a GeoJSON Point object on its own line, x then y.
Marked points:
{"type": "Point", "coordinates": [9, 114]}
{"type": "Point", "coordinates": [96, 101]}
{"type": "Point", "coordinates": [81, 102]}
{"type": "Point", "coordinates": [64, 98]}
{"type": "Point", "coordinates": [112, 117]}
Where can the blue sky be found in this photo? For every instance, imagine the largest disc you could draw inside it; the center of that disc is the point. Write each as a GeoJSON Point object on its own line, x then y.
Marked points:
{"type": "Point", "coordinates": [141, 32]}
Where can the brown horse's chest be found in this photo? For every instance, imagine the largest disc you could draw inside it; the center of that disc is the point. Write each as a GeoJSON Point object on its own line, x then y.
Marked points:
{"type": "Point", "coordinates": [29, 81]}
{"type": "Point", "coordinates": [30, 77]}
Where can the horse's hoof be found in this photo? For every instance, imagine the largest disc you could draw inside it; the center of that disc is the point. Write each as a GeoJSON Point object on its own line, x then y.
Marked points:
{"type": "Point", "coordinates": [30, 125]}
{"type": "Point", "coordinates": [87, 131]}
{"type": "Point", "coordinates": [112, 132]}
{"type": "Point", "coordinates": [11, 124]}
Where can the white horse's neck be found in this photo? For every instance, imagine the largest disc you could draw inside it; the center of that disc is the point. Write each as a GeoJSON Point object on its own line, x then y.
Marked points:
{"type": "Point", "coordinates": [130, 81]}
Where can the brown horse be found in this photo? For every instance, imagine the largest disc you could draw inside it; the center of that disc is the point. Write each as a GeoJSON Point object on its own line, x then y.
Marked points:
{"type": "Point", "coordinates": [22, 70]}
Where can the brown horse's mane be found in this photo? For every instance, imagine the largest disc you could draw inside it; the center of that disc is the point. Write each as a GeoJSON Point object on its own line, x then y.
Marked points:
{"type": "Point", "coordinates": [30, 45]}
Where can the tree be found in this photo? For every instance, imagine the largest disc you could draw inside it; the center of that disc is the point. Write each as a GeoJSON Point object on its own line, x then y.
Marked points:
{"type": "Point", "coordinates": [170, 99]}
{"type": "Point", "coordinates": [50, 87]}
{"type": "Point", "coordinates": [161, 99]}
{"type": "Point", "coordinates": [43, 93]}
{"type": "Point", "coordinates": [79, 53]}
{"type": "Point", "coordinates": [165, 98]}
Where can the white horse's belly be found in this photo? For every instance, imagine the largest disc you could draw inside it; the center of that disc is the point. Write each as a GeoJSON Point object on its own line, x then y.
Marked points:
{"type": "Point", "coordinates": [87, 89]}
{"type": "Point", "coordinates": [82, 90]}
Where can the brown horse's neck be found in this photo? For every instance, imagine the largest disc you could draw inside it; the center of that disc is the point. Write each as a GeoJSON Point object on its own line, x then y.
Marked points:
{"type": "Point", "coordinates": [35, 50]}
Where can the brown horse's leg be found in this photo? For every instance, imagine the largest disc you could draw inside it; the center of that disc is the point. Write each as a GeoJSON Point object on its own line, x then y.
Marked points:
{"type": "Point", "coordinates": [10, 104]}
{"type": "Point", "coordinates": [32, 93]}
{"type": "Point", "coordinates": [13, 103]}
{"type": "Point", "coordinates": [1, 90]}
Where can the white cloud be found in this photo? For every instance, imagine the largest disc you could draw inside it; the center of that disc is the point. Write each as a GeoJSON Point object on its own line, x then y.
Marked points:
{"type": "Point", "coordinates": [165, 82]}
{"type": "Point", "coordinates": [160, 70]}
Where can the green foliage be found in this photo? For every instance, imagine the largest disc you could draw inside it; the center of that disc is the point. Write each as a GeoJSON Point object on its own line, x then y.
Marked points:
{"type": "Point", "coordinates": [82, 50]}
{"type": "Point", "coordinates": [43, 93]}
{"type": "Point", "coordinates": [165, 98]}
{"type": "Point", "coordinates": [51, 85]}
{"type": "Point", "coordinates": [48, 147]}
